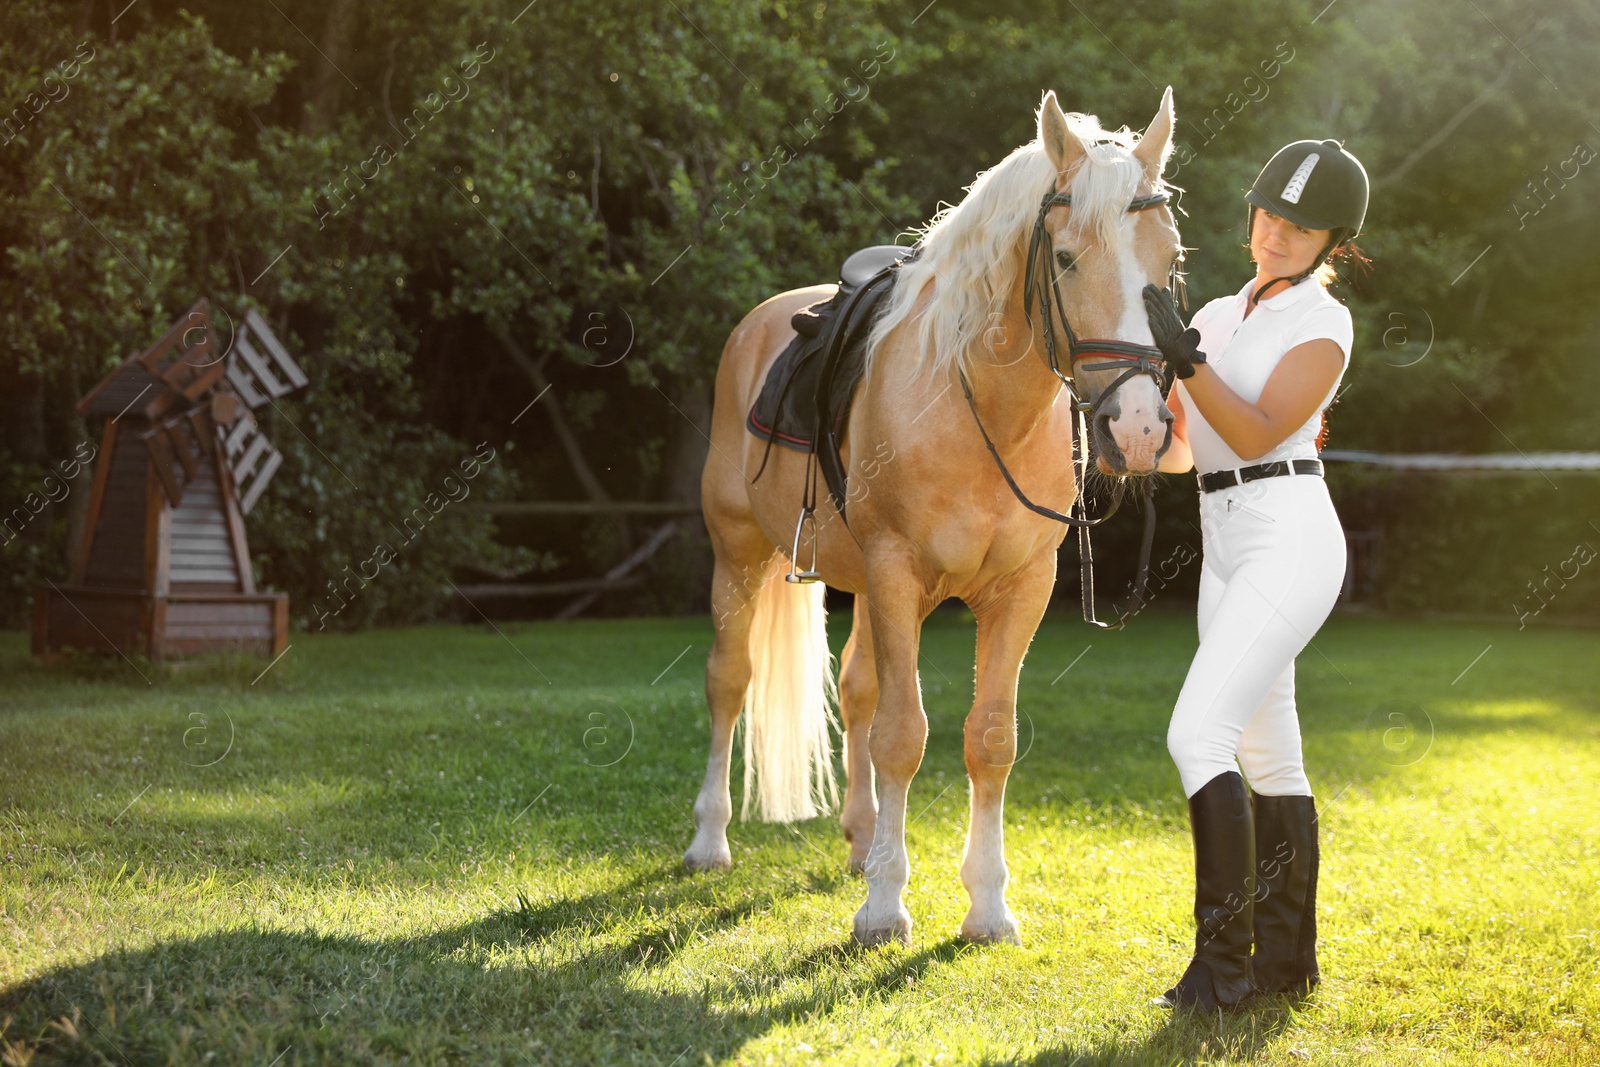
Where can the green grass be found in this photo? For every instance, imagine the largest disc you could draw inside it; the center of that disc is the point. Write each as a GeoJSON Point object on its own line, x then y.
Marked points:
{"type": "Point", "coordinates": [417, 849]}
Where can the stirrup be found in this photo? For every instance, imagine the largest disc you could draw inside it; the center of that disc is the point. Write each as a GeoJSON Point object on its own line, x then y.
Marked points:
{"type": "Point", "coordinates": [807, 514]}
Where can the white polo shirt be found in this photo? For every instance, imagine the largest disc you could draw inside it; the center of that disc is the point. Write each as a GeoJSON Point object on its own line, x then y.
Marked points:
{"type": "Point", "coordinates": [1245, 351]}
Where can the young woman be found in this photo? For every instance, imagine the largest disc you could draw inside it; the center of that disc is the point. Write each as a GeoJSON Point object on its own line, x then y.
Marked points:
{"type": "Point", "coordinates": [1247, 417]}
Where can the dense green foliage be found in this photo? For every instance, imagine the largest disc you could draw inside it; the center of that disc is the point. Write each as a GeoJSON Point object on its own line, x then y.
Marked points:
{"type": "Point", "coordinates": [611, 186]}
{"type": "Point", "coordinates": [405, 846]}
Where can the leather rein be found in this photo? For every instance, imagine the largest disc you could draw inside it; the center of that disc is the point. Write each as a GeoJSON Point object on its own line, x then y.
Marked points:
{"type": "Point", "coordinates": [1132, 359]}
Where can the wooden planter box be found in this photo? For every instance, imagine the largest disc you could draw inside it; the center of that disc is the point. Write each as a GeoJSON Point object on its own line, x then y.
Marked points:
{"type": "Point", "coordinates": [162, 627]}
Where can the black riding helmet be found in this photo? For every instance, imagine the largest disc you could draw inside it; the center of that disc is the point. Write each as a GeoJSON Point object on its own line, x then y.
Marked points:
{"type": "Point", "coordinates": [1315, 184]}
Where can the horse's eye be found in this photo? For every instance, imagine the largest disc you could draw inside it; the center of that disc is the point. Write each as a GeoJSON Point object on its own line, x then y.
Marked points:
{"type": "Point", "coordinates": [1065, 261]}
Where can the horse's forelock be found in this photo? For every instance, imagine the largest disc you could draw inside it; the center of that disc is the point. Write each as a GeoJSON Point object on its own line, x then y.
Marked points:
{"type": "Point", "coordinates": [1106, 180]}
{"type": "Point", "coordinates": [1105, 183]}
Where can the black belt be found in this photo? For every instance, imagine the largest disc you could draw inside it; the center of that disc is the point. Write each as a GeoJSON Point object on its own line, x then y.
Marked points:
{"type": "Point", "coordinates": [1223, 479]}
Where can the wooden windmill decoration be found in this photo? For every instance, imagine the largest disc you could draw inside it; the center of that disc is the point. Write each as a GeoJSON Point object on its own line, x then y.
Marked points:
{"type": "Point", "coordinates": [163, 568]}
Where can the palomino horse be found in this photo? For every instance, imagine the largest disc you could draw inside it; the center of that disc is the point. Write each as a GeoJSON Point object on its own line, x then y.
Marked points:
{"type": "Point", "coordinates": [930, 515]}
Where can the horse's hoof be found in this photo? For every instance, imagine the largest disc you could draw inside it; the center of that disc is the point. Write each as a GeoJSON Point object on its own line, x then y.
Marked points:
{"type": "Point", "coordinates": [1005, 933]}
{"type": "Point", "coordinates": [994, 928]}
{"type": "Point", "coordinates": [708, 859]}
{"type": "Point", "coordinates": [898, 929]}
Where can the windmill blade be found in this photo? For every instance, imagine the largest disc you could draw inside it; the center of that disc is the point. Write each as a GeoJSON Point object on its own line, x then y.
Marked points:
{"type": "Point", "coordinates": [177, 446]}
{"type": "Point", "coordinates": [200, 426]}
{"type": "Point", "coordinates": [197, 373]}
{"type": "Point", "coordinates": [242, 431]}
{"type": "Point", "coordinates": [253, 492]}
{"type": "Point", "coordinates": [183, 442]}
{"type": "Point", "coordinates": [260, 376]}
{"type": "Point", "coordinates": [260, 370]}
{"type": "Point", "coordinates": [164, 376]}
{"type": "Point", "coordinates": [243, 384]}
{"type": "Point", "coordinates": [253, 461]}
{"type": "Point", "coordinates": [291, 370]}
{"type": "Point", "coordinates": [161, 452]}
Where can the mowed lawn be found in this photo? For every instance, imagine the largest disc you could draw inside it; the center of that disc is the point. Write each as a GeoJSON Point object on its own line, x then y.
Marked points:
{"type": "Point", "coordinates": [462, 845]}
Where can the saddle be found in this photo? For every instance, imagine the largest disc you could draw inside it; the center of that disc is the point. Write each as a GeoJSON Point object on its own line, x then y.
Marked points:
{"type": "Point", "coordinates": [805, 401]}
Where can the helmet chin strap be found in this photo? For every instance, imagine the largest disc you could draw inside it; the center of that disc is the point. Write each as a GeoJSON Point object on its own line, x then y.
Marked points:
{"type": "Point", "coordinates": [1293, 280]}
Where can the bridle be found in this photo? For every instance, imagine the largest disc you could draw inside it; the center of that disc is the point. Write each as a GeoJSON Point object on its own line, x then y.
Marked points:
{"type": "Point", "coordinates": [1136, 358]}
{"type": "Point", "coordinates": [1132, 359]}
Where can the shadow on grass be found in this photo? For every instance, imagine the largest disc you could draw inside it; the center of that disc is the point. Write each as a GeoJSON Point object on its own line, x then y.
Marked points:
{"type": "Point", "coordinates": [1186, 1040]}
{"type": "Point", "coordinates": [565, 980]}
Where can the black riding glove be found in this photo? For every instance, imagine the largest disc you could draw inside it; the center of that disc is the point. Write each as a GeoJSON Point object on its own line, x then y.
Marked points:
{"type": "Point", "coordinates": [1175, 342]}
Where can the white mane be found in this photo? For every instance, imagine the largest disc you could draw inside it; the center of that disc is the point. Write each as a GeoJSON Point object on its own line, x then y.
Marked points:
{"type": "Point", "coordinates": [973, 252]}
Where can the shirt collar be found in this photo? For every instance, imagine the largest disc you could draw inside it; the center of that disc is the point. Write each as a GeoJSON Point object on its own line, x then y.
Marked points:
{"type": "Point", "coordinates": [1278, 301]}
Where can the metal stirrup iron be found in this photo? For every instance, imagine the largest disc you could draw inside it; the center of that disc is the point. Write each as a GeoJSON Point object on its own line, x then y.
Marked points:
{"type": "Point", "coordinates": [808, 514]}
{"type": "Point", "coordinates": [811, 574]}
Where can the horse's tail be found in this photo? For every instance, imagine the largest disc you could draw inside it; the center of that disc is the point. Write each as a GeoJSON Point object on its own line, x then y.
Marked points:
{"type": "Point", "coordinates": [788, 706]}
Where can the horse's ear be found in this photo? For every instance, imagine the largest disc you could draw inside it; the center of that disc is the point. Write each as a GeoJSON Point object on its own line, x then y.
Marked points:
{"type": "Point", "coordinates": [1155, 145]}
{"type": "Point", "coordinates": [1060, 143]}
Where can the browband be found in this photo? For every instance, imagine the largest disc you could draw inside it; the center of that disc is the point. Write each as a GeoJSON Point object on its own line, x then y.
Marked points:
{"type": "Point", "coordinates": [1138, 203]}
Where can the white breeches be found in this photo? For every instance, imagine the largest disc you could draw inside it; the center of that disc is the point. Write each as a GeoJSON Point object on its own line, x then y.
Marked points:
{"type": "Point", "coordinates": [1273, 566]}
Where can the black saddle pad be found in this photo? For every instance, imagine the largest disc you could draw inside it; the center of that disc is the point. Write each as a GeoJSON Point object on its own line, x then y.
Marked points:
{"type": "Point", "coordinates": [785, 412]}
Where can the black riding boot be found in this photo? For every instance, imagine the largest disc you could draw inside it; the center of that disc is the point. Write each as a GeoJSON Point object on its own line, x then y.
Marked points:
{"type": "Point", "coordinates": [1286, 899]}
{"type": "Point", "coordinates": [1224, 889]}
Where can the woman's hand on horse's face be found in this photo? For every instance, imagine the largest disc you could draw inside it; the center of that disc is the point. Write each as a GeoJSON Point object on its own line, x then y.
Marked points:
{"type": "Point", "coordinates": [1280, 248]}
{"type": "Point", "coordinates": [1162, 310]}
{"type": "Point", "coordinates": [1181, 347]}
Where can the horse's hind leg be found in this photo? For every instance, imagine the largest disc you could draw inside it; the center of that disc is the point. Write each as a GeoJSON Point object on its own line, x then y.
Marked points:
{"type": "Point", "coordinates": [899, 601]}
{"type": "Point", "coordinates": [741, 557]}
{"type": "Point", "coordinates": [1008, 614]}
{"type": "Point", "coordinates": [858, 699]}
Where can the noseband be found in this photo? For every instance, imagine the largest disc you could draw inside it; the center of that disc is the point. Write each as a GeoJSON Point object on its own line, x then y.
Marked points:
{"type": "Point", "coordinates": [1132, 359]}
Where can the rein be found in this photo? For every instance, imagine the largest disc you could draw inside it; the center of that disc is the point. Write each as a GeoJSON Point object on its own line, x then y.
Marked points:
{"type": "Point", "coordinates": [1132, 359]}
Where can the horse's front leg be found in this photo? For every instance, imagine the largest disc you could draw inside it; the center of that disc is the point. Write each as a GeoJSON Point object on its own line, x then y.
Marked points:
{"type": "Point", "coordinates": [1008, 614]}
{"type": "Point", "coordinates": [898, 603]}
